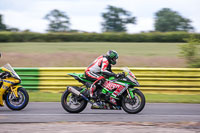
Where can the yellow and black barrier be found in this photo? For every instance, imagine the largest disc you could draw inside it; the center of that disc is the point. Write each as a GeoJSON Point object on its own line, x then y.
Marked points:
{"type": "Point", "coordinates": [152, 80]}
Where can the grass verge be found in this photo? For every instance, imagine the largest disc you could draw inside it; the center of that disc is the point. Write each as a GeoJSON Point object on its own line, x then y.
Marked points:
{"type": "Point", "coordinates": [74, 54]}
{"type": "Point", "coordinates": [136, 49]}
{"type": "Point", "coordinates": [37, 96]}
{"type": "Point", "coordinates": [166, 98]}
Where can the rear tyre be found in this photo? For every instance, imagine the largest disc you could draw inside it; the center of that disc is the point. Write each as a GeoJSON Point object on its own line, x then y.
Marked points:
{"type": "Point", "coordinates": [135, 105]}
{"type": "Point", "coordinates": [72, 103]}
{"type": "Point", "coordinates": [17, 103]}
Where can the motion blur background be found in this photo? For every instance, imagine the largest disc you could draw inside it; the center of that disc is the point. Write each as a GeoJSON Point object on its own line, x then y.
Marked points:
{"type": "Point", "coordinates": [166, 23]}
{"type": "Point", "coordinates": [79, 31]}
{"type": "Point", "coordinates": [85, 15]}
{"type": "Point", "coordinates": [72, 33]}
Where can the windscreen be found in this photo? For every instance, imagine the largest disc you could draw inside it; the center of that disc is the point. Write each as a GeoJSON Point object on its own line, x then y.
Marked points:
{"type": "Point", "coordinates": [128, 72]}
{"type": "Point", "coordinates": [14, 74]}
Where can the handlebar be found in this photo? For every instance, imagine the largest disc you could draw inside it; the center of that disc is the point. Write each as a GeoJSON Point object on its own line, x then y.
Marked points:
{"type": "Point", "coordinates": [121, 75]}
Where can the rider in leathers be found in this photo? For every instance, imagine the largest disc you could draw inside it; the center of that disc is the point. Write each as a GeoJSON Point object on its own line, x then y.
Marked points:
{"type": "Point", "coordinates": [3, 87]}
{"type": "Point", "coordinates": [101, 66]}
{"type": "Point", "coordinates": [5, 84]}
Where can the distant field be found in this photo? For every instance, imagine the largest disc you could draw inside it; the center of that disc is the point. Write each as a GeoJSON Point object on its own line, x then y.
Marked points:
{"type": "Point", "coordinates": [82, 53]}
{"type": "Point", "coordinates": [133, 49]}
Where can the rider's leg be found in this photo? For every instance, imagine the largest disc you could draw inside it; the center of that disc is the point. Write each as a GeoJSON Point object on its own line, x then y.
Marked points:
{"type": "Point", "coordinates": [96, 78]}
{"type": "Point", "coordinates": [3, 88]}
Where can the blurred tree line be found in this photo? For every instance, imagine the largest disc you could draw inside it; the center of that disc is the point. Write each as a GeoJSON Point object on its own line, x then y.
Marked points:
{"type": "Point", "coordinates": [58, 21]}
{"type": "Point", "coordinates": [168, 20]}
{"type": "Point", "coordinates": [115, 19]}
{"type": "Point", "coordinates": [4, 27]}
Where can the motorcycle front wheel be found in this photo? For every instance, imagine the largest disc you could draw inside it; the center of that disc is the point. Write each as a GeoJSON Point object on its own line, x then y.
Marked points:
{"type": "Point", "coordinates": [134, 105]}
{"type": "Point", "coordinates": [72, 103]}
{"type": "Point", "coordinates": [17, 103]}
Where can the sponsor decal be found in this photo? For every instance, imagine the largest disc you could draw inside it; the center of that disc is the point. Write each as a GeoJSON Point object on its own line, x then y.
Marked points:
{"type": "Point", "coordinates": [119, 88]}
{"type": "Point", "coordinates": [110, 85]}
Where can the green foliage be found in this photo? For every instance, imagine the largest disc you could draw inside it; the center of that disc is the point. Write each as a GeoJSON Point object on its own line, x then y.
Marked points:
{"type": "Point", "coordinates": [115, 19]}
{"type": "Point", "coordinates": [191, 51]}
{"type": "Point", "coordinates": [59, 21]}
{"type": "Point", "coordinates": [168, 20]}
{"type": "Point", "coordinates": [94, 37]}
{"type": "Point", "coordinates": [2, 26]}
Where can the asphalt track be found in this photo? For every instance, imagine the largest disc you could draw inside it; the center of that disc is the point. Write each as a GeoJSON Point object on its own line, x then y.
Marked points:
{"type": "Point", "coordinates": [53, 112]}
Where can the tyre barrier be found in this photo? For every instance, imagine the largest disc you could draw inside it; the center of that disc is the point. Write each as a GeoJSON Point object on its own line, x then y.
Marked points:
{"type": "Point", "coordinates": [152, 80]}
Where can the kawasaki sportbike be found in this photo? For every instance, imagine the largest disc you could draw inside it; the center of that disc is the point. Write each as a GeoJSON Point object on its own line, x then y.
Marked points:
{"type": "Point", "coordinates": [14, 95]}
{"type": "Point", "coordinates": [132, 100]}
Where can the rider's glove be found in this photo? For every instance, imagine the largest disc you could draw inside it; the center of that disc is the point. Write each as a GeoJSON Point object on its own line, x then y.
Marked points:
{"type": "Point", "coordinates": [100, 82]}
{"type": "Point", "coordinates": [1, 75]}
{"type": "Point", "coordinates": [4, 75]}
{"type": "Point", "coordinates": [119, 75]}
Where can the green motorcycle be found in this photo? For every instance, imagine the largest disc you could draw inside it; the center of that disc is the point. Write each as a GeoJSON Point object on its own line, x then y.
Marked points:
{"type": "Point", "coordinates": [132, 100]}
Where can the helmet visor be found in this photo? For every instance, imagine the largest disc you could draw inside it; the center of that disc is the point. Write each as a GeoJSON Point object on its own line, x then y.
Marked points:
{"type": "Point", "coordinates": [114, 60]}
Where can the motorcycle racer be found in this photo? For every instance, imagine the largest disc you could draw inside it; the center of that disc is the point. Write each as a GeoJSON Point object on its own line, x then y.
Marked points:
{"type": "Point", "coordinates": [5, 84]}
{"type": "Point", "coordinates": [99, 68]}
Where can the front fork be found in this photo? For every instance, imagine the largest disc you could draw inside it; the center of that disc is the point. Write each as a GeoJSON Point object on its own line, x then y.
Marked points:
{"type": "Point", "coordinates": [14, 90]}
{"type": "Point", "coordinates": [130, 93]}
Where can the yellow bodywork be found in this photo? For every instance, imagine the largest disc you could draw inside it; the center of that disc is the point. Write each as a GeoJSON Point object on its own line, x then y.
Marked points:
{"type": "Point", "coordinates": [14, 89]}
{"type": "Point", "coordinates": [7, 83]}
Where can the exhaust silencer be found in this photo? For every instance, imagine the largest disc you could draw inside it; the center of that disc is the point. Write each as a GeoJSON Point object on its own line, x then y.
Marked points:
{"type": "Point", "coordinates": [74, 91]}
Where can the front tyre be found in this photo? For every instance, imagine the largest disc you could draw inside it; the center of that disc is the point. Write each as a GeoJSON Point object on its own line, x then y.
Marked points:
{"type": "Point", "coordinates": [72, 103]}
{"type": "Point", "coordinates": [17, 103]}
{"type": "Point", "coordinates": [134, 105]}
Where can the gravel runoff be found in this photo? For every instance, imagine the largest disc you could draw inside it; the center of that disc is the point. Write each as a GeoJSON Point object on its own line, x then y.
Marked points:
{"type": "Point", "coordinates": [101, 127]}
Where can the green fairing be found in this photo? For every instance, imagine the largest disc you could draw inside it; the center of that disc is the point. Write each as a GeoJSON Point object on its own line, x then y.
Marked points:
{"type": "Point", "coordinates": [81, 76]}
{"type": "Point", "coordinates": [83, 89]}
{"type": "Point", "coordinates": [131, 92]}
{"type": "Point", "coordinates": [77, 74]}
{"type": "Point", "coordinates": [121, 82]}
{"type": "Point", "coordinates": [105, 91]}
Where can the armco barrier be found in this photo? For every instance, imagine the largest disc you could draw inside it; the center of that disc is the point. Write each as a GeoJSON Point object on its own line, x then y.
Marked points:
{"type": "Point", "coordinates": [152, 80]}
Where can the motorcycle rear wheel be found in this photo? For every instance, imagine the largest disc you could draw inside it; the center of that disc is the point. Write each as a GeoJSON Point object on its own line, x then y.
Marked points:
{"type": "Point", "coordinates": [133, 106]}
{"type": "Point", "coordinates": [71, 103]}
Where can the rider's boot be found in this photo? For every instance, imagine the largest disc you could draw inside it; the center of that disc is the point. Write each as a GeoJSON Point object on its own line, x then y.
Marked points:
{"type": "Point", "coordinates": [112, 100]}
{"type": "Point", "coordinates": [92, 89]}
{"type": "Point", "coordinates": [95, 106]}
{"type": "Point", "coordinates": [92, 96]}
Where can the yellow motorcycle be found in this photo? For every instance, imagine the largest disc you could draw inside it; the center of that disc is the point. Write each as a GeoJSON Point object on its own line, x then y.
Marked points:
{"type": "Point", "coordinates": [14, 95]}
